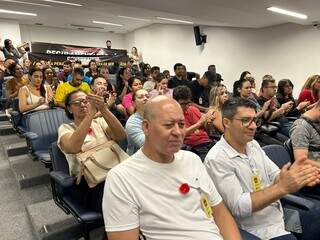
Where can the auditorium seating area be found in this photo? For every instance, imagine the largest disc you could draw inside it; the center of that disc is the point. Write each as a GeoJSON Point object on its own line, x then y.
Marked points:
{"type": "Point", "coordinates": [261, 162]}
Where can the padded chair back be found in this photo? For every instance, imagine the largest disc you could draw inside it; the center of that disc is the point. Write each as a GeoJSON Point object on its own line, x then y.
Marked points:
{"type": "Point", "coordinates": [45, 124]}
{"type": "Point", "coordinates": [288, 146]}
{"type": "Point", "coordinates": [59, 161]}
{"type": "Point", "coordinates": [278, 154]}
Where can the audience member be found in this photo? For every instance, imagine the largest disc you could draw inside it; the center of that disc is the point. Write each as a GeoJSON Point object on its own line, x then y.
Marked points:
{"type": "Point", "coordinates": [93, 70]}
{"type": "Point", "coordinates": [166, 73]}
{"type": "Point", "coordinates": [65, 88]}
{"type": "Point", "coordinates": [189, 75]}
{"type": "Point", "coordinates": [218, 96]}
{"type": "Point", "coordinates": [248, 181]}
{"type": "Point", "coordinates": [196, 138]}
{"type": "Point", "coordinates": [305, 136]}
{"type": "Point", "coordinates": [67, 69]}
{"type": "Point", "coordinates": [135, 56]}
{"type": "Point", "coordinates": [217, 77]}
{"type": "Point", "coordinates": [200, 90]}
{"type": "Point", "coordinates": [253, 87]}
{"type": "Point", "coordinates": [135, 135]}
{"type": "Point", "coordinates": [146, 73]}
{"type": "Point", "coordinates": [178, 79]}
{"type": "Point", "coordinates": [10, 50]}
{"type": "Point", "coordinates": [83, 133]}
{"type": "Point", "coordinates": [310, 90]}
{"type": "Point", "coordinates": [35, 96]}
{"type": "Point", "coordinates": [244, 75]}
{"type": "Point", "coordinates": [50, 79]}
{"type": "Point", "coordinates": [134, 85]}
{"type": "Point", "coordinates": [161, 87]}
{"type": "Point", "coordinates": [26, 65]}
{"type": "Point", "coordinates": [151, 83]}
{"type": "Point", "coordinates": [152, 192]}
{"type": "Point", "coordinates": [284, 95]}
{"type": "Point", "coordinates": [275, 111]}
{"type": "Point", "coordinates": [19, 80]}
{"type": "Point", "coordinates": [108, 44]}
{"type": "Point", "coordinates": [100, 87]}
{"type": "Point", "coordinates": [122, 87]}
{"type": "Point", "coordinates": [242, 89]}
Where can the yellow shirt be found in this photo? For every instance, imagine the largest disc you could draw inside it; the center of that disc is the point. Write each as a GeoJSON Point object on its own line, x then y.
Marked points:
{"type": "Point", "coordinates": [64, 89]}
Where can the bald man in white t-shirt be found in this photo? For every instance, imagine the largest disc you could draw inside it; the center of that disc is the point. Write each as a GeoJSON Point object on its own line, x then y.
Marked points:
{"type": "Point", "coordinates": [161, 191]}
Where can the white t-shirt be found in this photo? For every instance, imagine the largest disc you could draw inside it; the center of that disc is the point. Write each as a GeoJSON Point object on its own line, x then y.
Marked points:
{"type": "Point", "coordinates": [99, 135]}
{"type": "Point", "coordinates": [143, 193]}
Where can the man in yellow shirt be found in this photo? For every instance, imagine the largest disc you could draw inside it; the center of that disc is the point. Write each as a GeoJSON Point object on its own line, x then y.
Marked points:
{"type": "Point", "coordinates": [76, 83]}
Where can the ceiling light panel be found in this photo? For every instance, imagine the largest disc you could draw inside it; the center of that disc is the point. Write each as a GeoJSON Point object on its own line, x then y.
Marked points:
{"type": "Point", "coordinates": [108, 23]}
{"type": "Point", "coordinates": [62, 2]}
{"type": "Point", "coordinates": [175, 20]}
{"type": "Point", "coordinates": [26, 3]}
{"type": "Point", "coordinates": [287, 12]}
{"type": "Point", "coordinates": [17, 12]}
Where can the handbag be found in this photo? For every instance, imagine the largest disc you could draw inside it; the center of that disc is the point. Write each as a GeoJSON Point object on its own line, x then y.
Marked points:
{"type": "Point", "coordinates": [98, 160]}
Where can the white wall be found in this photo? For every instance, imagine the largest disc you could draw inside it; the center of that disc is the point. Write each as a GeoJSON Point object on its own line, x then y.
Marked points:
{"type": "Point", "coordinates": [70, 36]}
{"type": "Point", "coordinates": [285, 51]}
{"type": "Point", "coordinates": [10, 30]}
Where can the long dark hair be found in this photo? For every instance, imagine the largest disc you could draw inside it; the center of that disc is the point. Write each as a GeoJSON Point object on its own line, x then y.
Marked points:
{"type": "Point", "coordinates": [281, 84]}
{"type": "Point", "coordinates": [119, 82]}
{"type": "Point", "coordinates": [34, 69]}
{"type": "Point", "coordinates": [238, 84]}
{"type": "Point", "coordinates": [7, 44]}
{"type": "Point", "coordinates": [243, 74]}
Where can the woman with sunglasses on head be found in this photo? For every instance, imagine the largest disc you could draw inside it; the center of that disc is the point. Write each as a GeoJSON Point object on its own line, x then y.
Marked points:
{"type": "Point", "coordinates": [85, 132]}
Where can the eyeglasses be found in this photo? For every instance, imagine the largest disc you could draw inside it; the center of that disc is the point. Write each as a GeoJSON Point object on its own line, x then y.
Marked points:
{"type": "Point", "coordinates": [79, 102]}
{"type": "Point", "coordinates": [246, 121]}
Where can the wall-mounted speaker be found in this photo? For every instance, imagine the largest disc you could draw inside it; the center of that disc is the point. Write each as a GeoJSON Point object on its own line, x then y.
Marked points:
{"type": "Point", "coordinates": [198, 37]}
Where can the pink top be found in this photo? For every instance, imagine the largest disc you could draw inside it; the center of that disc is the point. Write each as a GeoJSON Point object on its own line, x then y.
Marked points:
{"type": "Point", "coordinates": [127, 100]}
{"type": "Point", "coordinates": [155, 93]}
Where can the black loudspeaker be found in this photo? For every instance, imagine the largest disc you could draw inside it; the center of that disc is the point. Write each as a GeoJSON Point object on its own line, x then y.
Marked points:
{"type": "Point", "coordinates": [198, 37]}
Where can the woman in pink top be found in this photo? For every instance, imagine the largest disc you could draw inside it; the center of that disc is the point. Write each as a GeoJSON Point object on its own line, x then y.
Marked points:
{"type": "Point", "coordinates": [161, 87]}
{"type": "Point", "coordinates": [134, 85]}
{"type": "Point", "coordinates": [310, 90]}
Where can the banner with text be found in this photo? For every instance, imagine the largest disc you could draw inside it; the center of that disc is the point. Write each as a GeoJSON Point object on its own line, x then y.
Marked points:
{"type": "Point", "coordinates": [58, 53]}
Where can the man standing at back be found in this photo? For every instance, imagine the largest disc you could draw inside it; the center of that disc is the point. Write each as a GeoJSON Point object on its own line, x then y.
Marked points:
{"type": "Point", "coordinates": [162, 191]}
{"type": "Point", "coordinates": [248, 181]}
{"type": "Point", "coordinates": [178, 79]}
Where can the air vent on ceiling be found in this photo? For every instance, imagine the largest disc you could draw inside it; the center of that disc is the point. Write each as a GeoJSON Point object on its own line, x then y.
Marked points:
{"type": "Point", "coordinates": [38, 24]}
{"type": "Point", "coordinates": [84, 26]}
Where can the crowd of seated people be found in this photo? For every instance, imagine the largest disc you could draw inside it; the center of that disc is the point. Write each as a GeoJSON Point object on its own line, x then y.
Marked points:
{"type": "Point", "coordinates": [163, 114]}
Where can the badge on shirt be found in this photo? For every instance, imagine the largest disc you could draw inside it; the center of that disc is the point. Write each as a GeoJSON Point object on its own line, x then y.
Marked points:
{"type": "Point", "coordinates": [200, 100]}
{"type": "Point", "coordinates": [206, 205]}
{"type": "Point", "coordinates": [256, 182]}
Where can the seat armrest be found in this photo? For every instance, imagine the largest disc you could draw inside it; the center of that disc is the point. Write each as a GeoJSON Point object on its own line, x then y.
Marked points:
{"type": "Point", "coordinates": [31, 135]}
{"type": "Point", "coordinates": [63, 179]}
{"type": "Point", "coordinates": [298, 202]}
{"type": "Point", "coordinates": [277, 124]}
{"type": "Point", "coordinates": [14, 113]}
{"type": "Point", "coordinates": [267, 128]}
{"type": "Point", "coordinates": [292, 119]}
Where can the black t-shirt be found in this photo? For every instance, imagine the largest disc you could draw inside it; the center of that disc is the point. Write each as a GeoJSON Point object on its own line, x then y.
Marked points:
{"type": "Point", "coordinates": [200, 94]}
{"type": "Point", "coordinates": [261, 100]}
{"type": "Point", "coordinates": [191, 75]}
{"type": "Point", "coordinates": [175, 82]}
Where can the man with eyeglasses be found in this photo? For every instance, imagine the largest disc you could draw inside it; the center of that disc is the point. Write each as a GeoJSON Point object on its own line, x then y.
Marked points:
{"type": "Point", "coordinates": [275, 111]}
{"type": "Point", "coordinates": [248, 181]}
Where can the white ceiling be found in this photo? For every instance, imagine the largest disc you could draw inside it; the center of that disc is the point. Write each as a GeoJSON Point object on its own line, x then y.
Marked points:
{"type": "Point", "coordinates": [233, 13]}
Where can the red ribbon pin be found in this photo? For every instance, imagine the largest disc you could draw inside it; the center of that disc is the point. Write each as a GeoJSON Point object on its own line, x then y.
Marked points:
{"type": "Point", "coordinates": [184, 188]}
